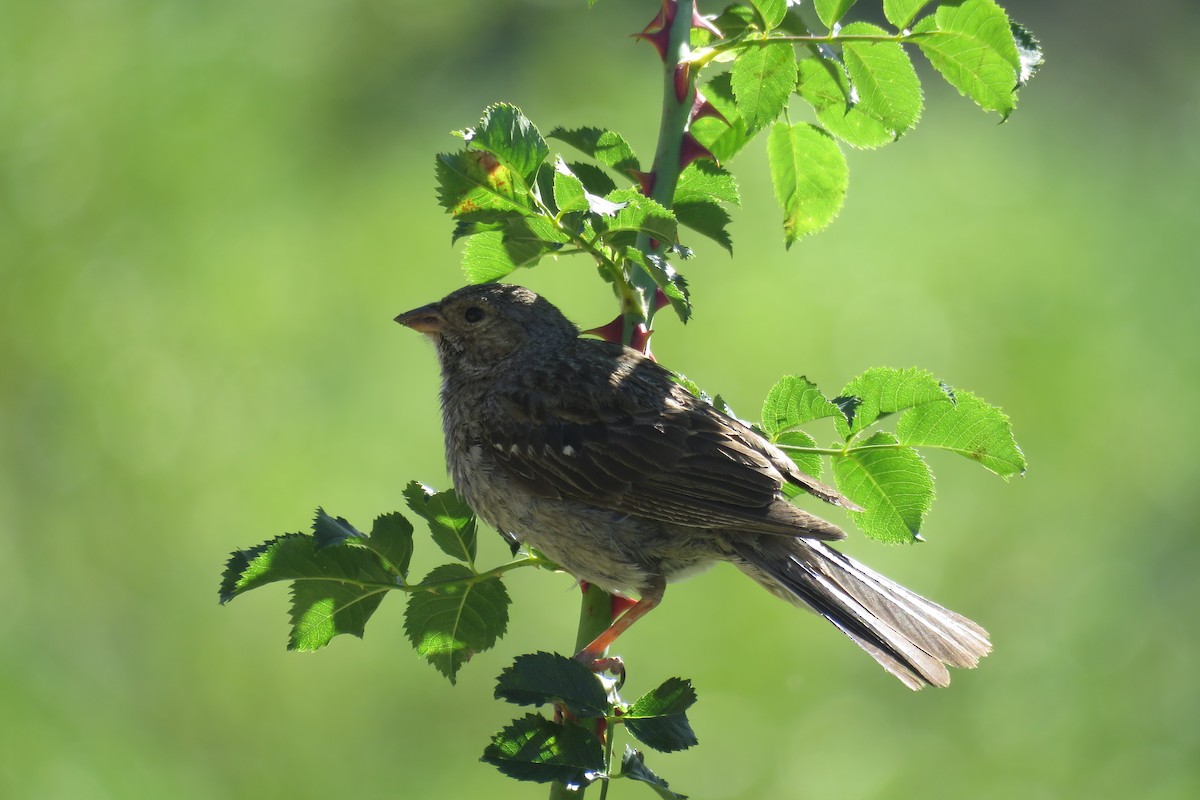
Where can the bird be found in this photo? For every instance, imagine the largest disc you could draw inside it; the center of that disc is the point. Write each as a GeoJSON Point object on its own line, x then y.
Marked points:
{"type": "Point", "coordinates": [595, 455]}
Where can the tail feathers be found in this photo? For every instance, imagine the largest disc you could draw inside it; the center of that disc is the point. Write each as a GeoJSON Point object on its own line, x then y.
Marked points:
{"type": "Point", "coordinates": [913, 638]}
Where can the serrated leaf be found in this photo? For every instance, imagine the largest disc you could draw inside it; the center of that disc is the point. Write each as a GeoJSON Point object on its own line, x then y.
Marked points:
{"type": "Point", "coordinates": [322, 609]}
{"type": "Point", "coordinates": [707, 219]}
{"type": "Point", "coordinates": [633, 765]}
{"type": "Point", "coordinates": [1029, 50]}
{"type": "Point", "coordinates": [334, 590]}
{"type": "Point", "coordinates": [475, 186]}
{"type": "Point", "coordinates": [825, 85]}
{"type": "Point", "coordinates": [901, 12]}
{"type": "Point", "coordinates": [970, 427]}
{"type": "Point", "coordinates": [450, 520]}
{"type": "Point", "coordinates": [770, 11]}
{"type": "Point", "coordinates": [809, 463]}
{"type": "Point", "coordinates": [458, 619]}
{"type": "Point", "coordinates": [891, 482]}
{"type": "Point", "coordinates": [638, 214]}
{"type": "Point", "coordinates": [763, 79]}
{"type": "Point", "coordinates": [673, 285]}
{"type": "Point", "coordinates": [883, 77]}
{"type": "Point", "coordinates": [607, 147]}
{"type": "Point", "coordinates": [971, 44]}
{"type": "Point", "coordinates": [832, 11]}
{"type": "Point", "coordinates": [491, 255]}
{"type": "Point", "coordinates": [810, 177]}
{"type": "Point", "coordinates": [535, 749]}
{"type": "Point", "coordinates": [294, 556]}
{"type": "Point", "coordinates": [792, 401]}
{"type": "Point", "coordinates": [511, 137]}
{"type": "Point", "coordinates": [329, 531]}
{"type": "Point", "coordinates": [569, 194]}
{"type": "Point", "coordinates": [885, 390]}
{"type": "Point", "coordinates": [539, 678]}
{"type": "Point", "coordinates": [594, 179]}
{"type": "Point", "coordinates": [658, 718]}
{"type": "Point", "coordinates": [392, 540]}
{"type": "Point", "coordinates": [704, 180]}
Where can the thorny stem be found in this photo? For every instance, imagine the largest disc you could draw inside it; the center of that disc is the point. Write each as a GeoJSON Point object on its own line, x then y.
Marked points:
{"type": "Point", "coordinates": [595, 614]}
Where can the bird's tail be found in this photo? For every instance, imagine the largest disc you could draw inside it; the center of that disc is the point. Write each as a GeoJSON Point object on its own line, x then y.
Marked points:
{"type": "Point", "coordinates": [913, 638]}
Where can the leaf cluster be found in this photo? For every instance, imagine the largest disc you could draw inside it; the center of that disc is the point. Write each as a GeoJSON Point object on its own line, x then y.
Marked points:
{"type": "Point", "coordinates": [881, 471]}
{"type": "Point", "coordinates": [339, 575]}
{"type": "Point", "coordinates": [575, 748]}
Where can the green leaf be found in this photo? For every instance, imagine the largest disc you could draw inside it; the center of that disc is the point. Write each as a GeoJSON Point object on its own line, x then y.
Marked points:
{"type": "Point", "coordinates": [507, 133]}
{"type": "Point", "coordinates": [539, 678]}
{"type": "Point", "coordinates": [763, 79]}
{"type": "Point", "coordinates": [809, 463]}
{"type": "Point", "coordinates": [832, 11]}
{"type": "Point", "coordinates": [971, 44]}
{"type": "Point", "coordinates": [607, 147]}
{"type": "Point", "coordinates": [594, 179]}
{"type": "Point", "coordinates": [633, 765]}
{"type": "Point", "coordinates": [892, 484]}
{"type": "Point", "coordinates": [810, 178]}
{"type": "Point", "coordinates": [569, 194]}
{"type": "Point", "coordinates": [884, 390]}
{"type": "Point", "coordinates": [666, 278]}
{"type": "Point", "coordinates": [723, 138]}
{"type": "Point", "coordinates": [706, 218]}
{"type": "Point", "coordinates": [901, 12]}
{"type": "Point", "coordinates": [392, 540]}
{"type": "Point", "coordinates": [638, 214]}
{"type": "Point", "coordinates": [658, 718]}
{"type": "Point", "coordinates": [294, 556]}
{"type": "Point", "coordinates": [459, 618]}
{"type": "Point", "coordinates": [704, 180]}
{"type": "Point", "coordinates": [825, 85]}
{"type": "Point", "coordinates": [321, 609]}
{"type": "Point", "coordinates": [491, 255]}
{"type": "Point", "coordinates": [792, 401]}
{"type": "Point", "coordinates": [474, 185]}
{"type": "Point", "coordinates": [970, 427]}
{"type": "Point", "coordinates": [329, 532]}
{"type": "Point", "coordinates": [334, 590]}
{"type": "Point", "coordinates": [451, 521]}
{"type": "Point", "coordinates": [735, 20]}
{"type": "Point", "coordinates": [535, 749]}
{"type": "Point", "coordinates": [883, 76]}
{"type": "Point", "coordinates": [770, 11]}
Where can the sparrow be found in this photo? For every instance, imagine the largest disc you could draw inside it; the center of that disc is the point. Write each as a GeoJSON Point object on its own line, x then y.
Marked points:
{"type": "Point", "coordinates": [595, 455]}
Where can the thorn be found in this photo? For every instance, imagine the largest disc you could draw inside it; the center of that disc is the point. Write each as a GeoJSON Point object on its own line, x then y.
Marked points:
{"type": "Point", "coordinates": [683, 81]}
{"type": "Point", "coordinates": [612, 332]}
{"type": "Point", "coordinates": [645, 180]}
{"type": "Point", "coordinates": [658, 39]}
{"type": "Point", "coordinates": [660, 300]}
{"type": "Point", "coordinates": [702, 108]}
{"type": "Point", "coordinates": [700, 21]}
{"type": "Point", "coordinates": [690, 150]}
{"type": "Point", "coordinates": [641, 339]}
{"type": "Point", "coordinates": [658, 32]}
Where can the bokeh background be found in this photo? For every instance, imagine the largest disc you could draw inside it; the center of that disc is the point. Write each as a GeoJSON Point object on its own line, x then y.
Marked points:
{"type": "Point", "coordinates": [209, 214]}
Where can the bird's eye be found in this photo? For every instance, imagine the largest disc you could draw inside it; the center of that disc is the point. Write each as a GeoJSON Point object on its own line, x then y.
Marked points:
{"type": "Point", "coordinates": [473, 314]}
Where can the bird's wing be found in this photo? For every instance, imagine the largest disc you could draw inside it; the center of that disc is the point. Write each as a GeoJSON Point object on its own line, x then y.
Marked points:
{"type": "Point", "coordinates": [629, 439]}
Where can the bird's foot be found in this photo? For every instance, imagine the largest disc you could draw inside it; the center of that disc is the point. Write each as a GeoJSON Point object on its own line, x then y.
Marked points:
{"type": "Point", "coordinates": [600, 664]}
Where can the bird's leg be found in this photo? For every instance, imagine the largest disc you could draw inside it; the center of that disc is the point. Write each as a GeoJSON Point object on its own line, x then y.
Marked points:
{"type": "Point", "coordinates": [651, 596]}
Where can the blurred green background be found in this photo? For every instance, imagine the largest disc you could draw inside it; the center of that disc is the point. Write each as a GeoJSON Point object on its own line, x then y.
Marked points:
{"type": "Point", "coordinates": [209, 214]}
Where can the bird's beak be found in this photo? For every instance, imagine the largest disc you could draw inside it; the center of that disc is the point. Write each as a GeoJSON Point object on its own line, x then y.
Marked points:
{"type": "Point", "coordinates": [426, 319]}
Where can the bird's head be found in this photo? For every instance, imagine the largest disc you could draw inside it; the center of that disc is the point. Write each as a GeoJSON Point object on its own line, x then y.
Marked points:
{"type": "Point", "coordinates": [478, 326]}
